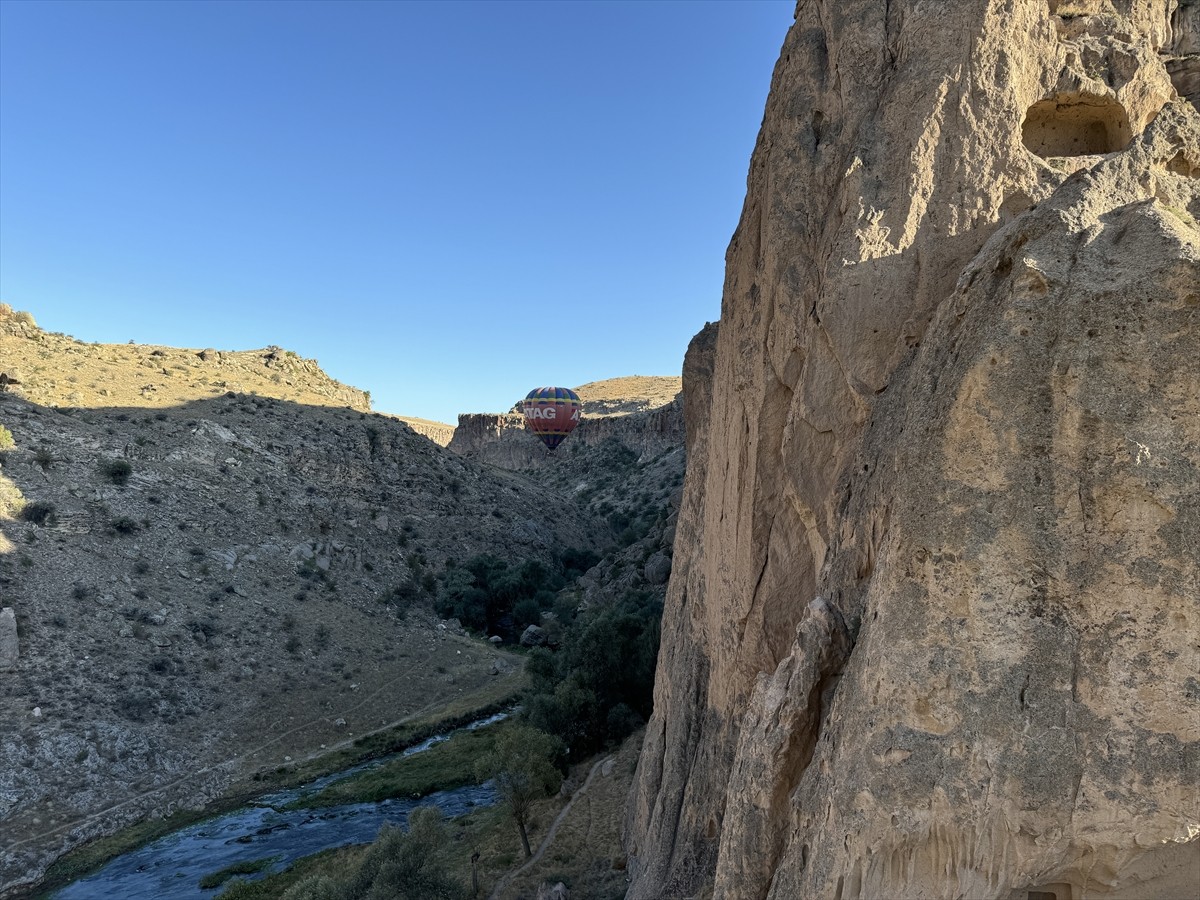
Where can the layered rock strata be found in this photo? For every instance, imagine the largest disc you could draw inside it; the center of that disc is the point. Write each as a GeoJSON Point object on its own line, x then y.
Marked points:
{"type": "Point", "coordinates": [932, 625]}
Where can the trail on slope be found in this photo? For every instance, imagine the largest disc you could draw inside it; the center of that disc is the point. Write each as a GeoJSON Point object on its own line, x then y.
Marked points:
{"type": "Point", "coordinates": [550, 833]}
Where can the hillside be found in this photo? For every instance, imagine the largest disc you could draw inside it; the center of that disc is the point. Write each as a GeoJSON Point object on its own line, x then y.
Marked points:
{"type": "Point", "coordinates": [207, 586]}
{"type": "Point", "coordinates": [222, 564]}
{"type": "Point", "coordinates": [58, 370]}
{"type": "Point", "coordinates": [632, 393]}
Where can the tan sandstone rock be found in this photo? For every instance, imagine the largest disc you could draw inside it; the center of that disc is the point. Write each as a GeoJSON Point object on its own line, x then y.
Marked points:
{"type": "Point", "coordinates": [932, 627]}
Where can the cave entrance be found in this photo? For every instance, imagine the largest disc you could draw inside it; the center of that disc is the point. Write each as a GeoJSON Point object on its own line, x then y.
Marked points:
{"type": "Point", "coordinates": [1076, 125]}
{"type": "Point", "coordinates": [1060, 891]}
{"type": "Point", "coordinates": [1057, 891]}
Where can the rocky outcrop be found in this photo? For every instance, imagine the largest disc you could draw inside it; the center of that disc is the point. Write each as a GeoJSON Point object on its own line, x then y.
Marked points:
{"type": "Point", "coordinates": [646, 433]}
{"type": "Point", "coordinates": [497, 438]}
{"type": "Point", "coordinates": [931, 626]}
{"type": "Point", "coordinates": [438, 432]}
{"type": "Point", "coordinates": [501, 438]}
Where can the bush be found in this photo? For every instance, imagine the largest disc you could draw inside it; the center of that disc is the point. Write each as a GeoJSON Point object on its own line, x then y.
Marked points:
{"type": "Point", "coordinates": [6, 439]}
{"type": "Point", "coordinates": [124, 525]}
{"type": "Point", "coordinates": [321, 637]}
{"type": "Point", "coordinates": [398, 866]}
{"type": "Point", "coordinates": [116, 470]}
{"type": "Point", "coordinates": [39, 513]}
{"type": "Point", "coordinates": [404, 595]}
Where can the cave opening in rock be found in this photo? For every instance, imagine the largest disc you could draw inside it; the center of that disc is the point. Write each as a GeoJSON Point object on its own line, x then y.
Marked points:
{"type": "Point", "coordinates": [1076, 125]}
{"type": "Point", "coordinates": [1057, 891]}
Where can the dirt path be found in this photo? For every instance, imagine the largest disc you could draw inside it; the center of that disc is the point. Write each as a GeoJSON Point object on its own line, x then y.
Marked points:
{"type": "Point", "coordinates": [553, 830]}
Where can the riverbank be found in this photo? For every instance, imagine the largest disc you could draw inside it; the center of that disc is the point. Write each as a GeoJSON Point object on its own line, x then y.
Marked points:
{"type": "Point", "coordinates": [576, 836]}
{"type": "Point", "coordinates": [491, 697]}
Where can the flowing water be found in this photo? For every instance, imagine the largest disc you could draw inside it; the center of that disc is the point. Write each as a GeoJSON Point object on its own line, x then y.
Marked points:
{"type": "Point", "coordinates": [171, 867]}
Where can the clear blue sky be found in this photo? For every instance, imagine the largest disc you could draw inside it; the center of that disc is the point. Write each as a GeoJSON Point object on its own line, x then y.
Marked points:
{"type": "Point", "coordinates": [446, 204]}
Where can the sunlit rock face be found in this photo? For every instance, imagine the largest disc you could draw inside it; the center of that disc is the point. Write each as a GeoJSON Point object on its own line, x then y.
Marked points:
{"type": "Point", "coordinates": [932, 623]}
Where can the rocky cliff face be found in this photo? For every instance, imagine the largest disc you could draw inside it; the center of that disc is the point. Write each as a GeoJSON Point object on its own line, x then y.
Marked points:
{"type": "Point", "coordinates": [501, 438]}
{"type": "Point", "coordinates": [438, 432]}
{"type": "Point", "coordinates": [931, 629]}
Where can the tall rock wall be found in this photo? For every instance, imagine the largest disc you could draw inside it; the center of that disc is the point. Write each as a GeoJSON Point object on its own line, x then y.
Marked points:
{"type": "Point", "coordinates": [502, 440]}
{"type": "Point", "coordinates": [932, 626]}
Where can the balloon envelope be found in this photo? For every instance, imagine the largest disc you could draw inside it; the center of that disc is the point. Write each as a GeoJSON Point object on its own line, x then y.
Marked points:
{"type": "Point", "coordinates": [551, 413]}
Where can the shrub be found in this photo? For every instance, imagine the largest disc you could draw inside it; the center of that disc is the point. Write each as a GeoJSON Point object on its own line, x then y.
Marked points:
{"type": "Point", "coordinates": [39, 513]}
{"type": "Point", "coordinates": [399, 866]}
{"type": "Point", "coordinates": [125, 525]}
{"type": "Point", "coordinates": [403, 596]}
{"type": "Point", "coordinates": [135, 705]}
{"type": "Point", "coordinates": [321, 637]}
{"type": "Point", "coordinates": [6, 439]}
{"type": "Point", "coordinates": [116, 470]}
{"type": "Point", "coordinates": [43, 458]}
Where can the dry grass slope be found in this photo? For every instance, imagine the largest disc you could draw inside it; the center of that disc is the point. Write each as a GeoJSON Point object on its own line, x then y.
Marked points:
{"type": "Point", "coordinates": [632, 393]}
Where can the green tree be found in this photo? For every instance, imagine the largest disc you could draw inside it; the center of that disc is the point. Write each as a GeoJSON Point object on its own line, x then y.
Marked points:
{"type": "Point", "coordinates": [522, 768]}
{"type": "Point", "coordinates": [599, 687]}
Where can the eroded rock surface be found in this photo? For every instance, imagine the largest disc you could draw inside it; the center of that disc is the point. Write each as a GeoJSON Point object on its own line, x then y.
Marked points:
{"type": "Point", "coordinates": [932, 624]}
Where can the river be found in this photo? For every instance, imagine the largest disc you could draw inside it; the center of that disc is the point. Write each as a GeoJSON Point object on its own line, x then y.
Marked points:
{"type": "Point", "coordinates": [171, 867]}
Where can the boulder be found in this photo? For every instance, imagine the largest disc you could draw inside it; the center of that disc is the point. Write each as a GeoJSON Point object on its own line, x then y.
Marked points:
{"type": "Point", "coordinates": [534, 636]}
{"type": "Point", "coordinates": [658, 568]}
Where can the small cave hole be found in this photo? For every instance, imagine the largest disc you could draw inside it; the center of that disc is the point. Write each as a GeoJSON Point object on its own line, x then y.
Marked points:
{"type": "Point", "coordinates": [1181, 165]}
{"type": "Point", "coordinates": [1057, 891]}
{"type": "Point", "coordinates": [1076, 125]}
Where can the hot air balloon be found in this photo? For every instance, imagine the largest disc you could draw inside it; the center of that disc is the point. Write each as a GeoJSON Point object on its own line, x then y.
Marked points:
{"type": "Point", "coordinates": [551, 413]}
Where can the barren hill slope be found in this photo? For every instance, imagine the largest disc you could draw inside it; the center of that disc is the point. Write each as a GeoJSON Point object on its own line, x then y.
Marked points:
{"type": "Point", "coordinates": [57, 370]}
{"type": "Point", "coordinates": [628, 394]}
{"type": "Point", "coordinates": [207, 586]}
